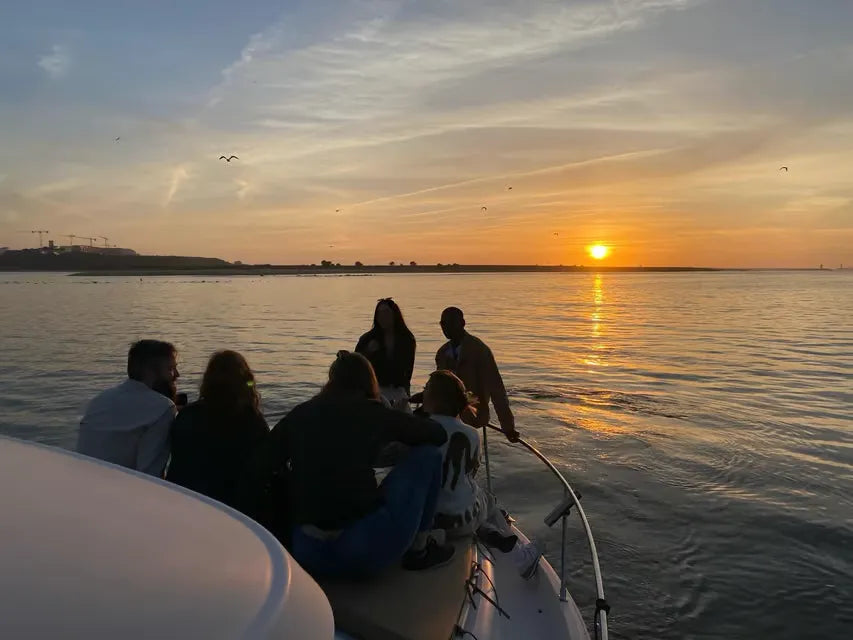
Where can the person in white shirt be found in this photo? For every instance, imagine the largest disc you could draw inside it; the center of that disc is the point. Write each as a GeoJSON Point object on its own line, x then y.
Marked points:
{"type": "Point", "coordinates": [464, 507]}
{"type": "Point", "coordinates": [129, 424]}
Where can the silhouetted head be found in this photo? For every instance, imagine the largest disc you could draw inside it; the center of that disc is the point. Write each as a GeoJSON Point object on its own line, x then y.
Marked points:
{"type": "Point", "coordinates": [228, 385]}
{"type": "Point", "coordinates": [154, 363]}
{"type": "Point", "coordinates": [388, 318]}
{"type": "Point", "coordinates": [445, 394]}
{"type": "Point", "coordinates": [453, 323]}
{"type": "Point", "coordinates": [351, 374]}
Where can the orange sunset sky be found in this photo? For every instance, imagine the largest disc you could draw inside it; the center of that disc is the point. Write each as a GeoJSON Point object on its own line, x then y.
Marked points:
{"type": "Point", "coordinates": [377, 130]}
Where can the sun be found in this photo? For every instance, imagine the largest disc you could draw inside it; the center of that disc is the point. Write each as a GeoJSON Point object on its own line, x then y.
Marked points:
{"type": "Point", "coordinates": [598, 251]}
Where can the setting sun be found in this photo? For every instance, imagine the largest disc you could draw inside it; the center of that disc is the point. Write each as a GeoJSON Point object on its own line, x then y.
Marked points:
{"type": "Point", "coordinates": [598, 251]}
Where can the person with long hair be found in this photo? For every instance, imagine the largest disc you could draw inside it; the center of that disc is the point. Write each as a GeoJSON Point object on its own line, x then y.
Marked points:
{"type": "Point", "coordinates": [215, 439]}
{"type": "Point", "coordinates": [343, 523]}
{"type": "Point", "coordinates": [390, 346]}
{"type": "Point", "coordinates": [463, 506]}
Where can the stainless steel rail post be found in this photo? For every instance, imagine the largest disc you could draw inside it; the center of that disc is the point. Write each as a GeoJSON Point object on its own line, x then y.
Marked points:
{"type": "Point", "coordinates": [601, 618]}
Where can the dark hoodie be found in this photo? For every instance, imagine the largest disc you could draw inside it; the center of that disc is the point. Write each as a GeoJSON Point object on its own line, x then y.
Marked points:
{"type": "Point", "coordinates": [329, 446]}
{"type": "Point", "coordinates": [212, 453]}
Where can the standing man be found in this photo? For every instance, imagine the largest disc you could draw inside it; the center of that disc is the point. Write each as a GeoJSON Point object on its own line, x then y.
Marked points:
{"type": "Point", "coordinates": [129, 424]}
{"type": "Point", "coordinates": [471, 359]}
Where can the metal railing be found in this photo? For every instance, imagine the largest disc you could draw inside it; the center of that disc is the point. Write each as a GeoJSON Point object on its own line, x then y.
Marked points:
{"type": "Point", "coordinates": [562, 512]}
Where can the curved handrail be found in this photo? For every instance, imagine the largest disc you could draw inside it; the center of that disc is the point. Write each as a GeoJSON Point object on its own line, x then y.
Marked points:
{"type": "Point", "coordinates": [601, 614]}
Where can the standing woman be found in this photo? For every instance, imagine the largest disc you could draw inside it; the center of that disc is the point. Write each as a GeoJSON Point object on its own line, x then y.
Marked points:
{"type": "Point", "coordinates": [214, 440]}
{"type": "Point", "coordinates": [390, 347]}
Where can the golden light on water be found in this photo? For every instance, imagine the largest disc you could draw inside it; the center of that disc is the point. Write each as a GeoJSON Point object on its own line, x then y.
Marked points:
{"type": "Point", "coordinates": [598, 251]}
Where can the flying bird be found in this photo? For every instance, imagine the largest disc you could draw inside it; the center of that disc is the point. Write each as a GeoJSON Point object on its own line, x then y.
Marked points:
{"type": "Point", "coordinates": [556, 234]}
{"type": "Point", "coordinates": [484, 208]}
{"type": "Point", "coordinates": [119, 138]}
{"type": "Point", "coordinates": [509, 188]}
{"type": "Point", "coordinates": [781, 168]}
{"type": "Point", "coordinates": [229, 158]}
{"type": "Point", "coordinates": [337, 210]}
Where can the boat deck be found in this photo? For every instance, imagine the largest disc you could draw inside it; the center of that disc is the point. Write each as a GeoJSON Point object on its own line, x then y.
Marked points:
{"type": "Point", "coordinates": [403, 605]}
{"type": "Point", "coordinates": [531, 608]}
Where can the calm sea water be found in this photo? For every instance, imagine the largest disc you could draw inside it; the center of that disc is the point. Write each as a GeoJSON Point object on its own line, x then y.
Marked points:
{"type": "Point", "coordinates": [706, 418]}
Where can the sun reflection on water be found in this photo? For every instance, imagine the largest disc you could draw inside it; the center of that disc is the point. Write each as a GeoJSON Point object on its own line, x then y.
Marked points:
{"type": "Point", "coordinates": [597, 346]}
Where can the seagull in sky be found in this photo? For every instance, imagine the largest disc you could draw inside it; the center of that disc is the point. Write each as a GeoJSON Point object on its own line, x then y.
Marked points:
{"type": "Point", "coordinates": [484, 208]}
{"type": "Point", "coordinates": [781, 168]}
{"type": "Point", "coordinates": [509, 188]}
{"type": "Point", "coordinates": [337, 210]}
{"type": "Point", "coordinates": [229, 158]}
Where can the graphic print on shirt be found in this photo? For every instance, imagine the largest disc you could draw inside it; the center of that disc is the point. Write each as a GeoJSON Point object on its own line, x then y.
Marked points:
{"type": "Point", "coordinates": [459, 456]}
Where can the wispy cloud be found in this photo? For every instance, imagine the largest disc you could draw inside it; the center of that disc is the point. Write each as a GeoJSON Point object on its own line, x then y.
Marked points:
{"type": "Point", "coordinates": [244, 187]}
{"type": "Point", "coordinates": [179, 175]}
{"type": "Point", "coordinates": [50, 189]}
{"type": "Point", "coordinates": [57, 62]}
{"type": "Point", "coordinates": [647, 123]}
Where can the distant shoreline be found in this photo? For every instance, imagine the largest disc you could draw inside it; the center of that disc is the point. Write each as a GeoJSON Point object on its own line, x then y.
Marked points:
{"type": "Point", "coordinates": [382, 270]}
{"type": "Point", "coordinates": [91, 263]}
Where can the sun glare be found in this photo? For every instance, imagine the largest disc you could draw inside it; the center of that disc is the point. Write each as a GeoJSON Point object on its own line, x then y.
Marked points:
{"type": "Point", "coordinates": [598, 251]}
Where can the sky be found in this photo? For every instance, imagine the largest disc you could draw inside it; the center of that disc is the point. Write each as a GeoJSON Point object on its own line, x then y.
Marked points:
{"type": "Point", "coordinates": [377, 130]}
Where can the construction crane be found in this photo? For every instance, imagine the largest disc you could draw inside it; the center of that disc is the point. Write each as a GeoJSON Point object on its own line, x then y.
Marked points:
{"type": "Point", "coordinates": [91, 240]}
{"type": "Point", "coordinates": [70, 237]}
{"type": "Point", "coordinates": [41, 232]}
{"type": "Point", "coordinates": [104, 238]}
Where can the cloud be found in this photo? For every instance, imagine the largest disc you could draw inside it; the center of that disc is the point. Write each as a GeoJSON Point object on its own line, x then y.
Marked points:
{"type": "Point", "coordinates": [376, 67]}
{"type": "Point", "coordinates": [642, 122]}
{"type": "Point", "coordinates": [56, 63]}
{"type": "Point", "coordinates": [243, 188]}
{"type": "Point", "coordinates": [179, 176]}
{"type": "Point", "coordinates": [48, 189]}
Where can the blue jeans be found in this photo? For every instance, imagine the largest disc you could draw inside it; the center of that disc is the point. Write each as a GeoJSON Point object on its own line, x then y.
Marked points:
{"type": "Point", "coordinates": [379, 539]}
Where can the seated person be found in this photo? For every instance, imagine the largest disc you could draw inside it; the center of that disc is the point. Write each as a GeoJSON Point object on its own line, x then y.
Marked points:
{"type": "Point", "coordinates": [463, 506]}
{"type": "Point", "coordinates": [343, 523]}
{"type": "Point", "coordinates": [129, 424]}
{"type": "Point", "coordinates": [214, 440]}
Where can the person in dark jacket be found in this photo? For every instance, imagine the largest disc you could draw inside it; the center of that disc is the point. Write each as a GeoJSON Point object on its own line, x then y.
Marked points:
{"type": "Point", "coordinates": [343, 523]}
{"type": "Point", "coordinates": [215, 439]}
{"type": "Point", "coordinates": [390, 346]}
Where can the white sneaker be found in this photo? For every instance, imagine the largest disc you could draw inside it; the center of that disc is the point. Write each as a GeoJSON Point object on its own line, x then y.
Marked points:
{"type": "Point", "coordinates": [526, 558]}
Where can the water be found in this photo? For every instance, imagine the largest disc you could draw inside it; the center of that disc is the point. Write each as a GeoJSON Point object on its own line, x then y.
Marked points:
{"type": "Point", "coordinates": [707, 418]}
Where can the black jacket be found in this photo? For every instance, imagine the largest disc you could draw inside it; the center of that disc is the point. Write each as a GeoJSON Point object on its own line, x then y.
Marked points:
{"type": "Point", "coordinates": [329, 446]}
{"type": "Point", "coordinates": [392, 369]}
{"type": "Point", "coordinates": [212, 453]}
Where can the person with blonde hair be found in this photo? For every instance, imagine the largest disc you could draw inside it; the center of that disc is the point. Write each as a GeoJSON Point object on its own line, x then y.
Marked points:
{"type": "Point", "coordinates": [463, 506]}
